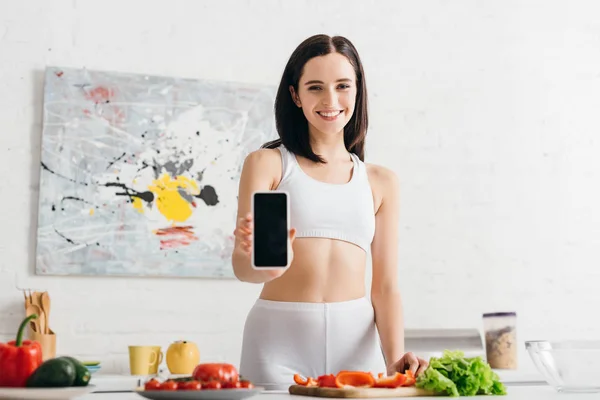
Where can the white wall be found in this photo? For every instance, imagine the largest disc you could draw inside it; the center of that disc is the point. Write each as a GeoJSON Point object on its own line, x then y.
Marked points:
{"type": "Point", "coordinates": [486, 110]}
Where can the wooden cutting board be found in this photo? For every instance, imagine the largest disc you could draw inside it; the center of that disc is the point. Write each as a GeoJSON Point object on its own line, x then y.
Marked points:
{"type": "Point", "coordinates": [359, 392]}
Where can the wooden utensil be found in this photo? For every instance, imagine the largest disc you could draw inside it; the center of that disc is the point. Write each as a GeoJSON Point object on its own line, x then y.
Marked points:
{"type": "Point", "coordinates": [36, 299]}
{"type": "Point", "coordinates": [40, 322]}
{"type": "Point", "coordinates": [27, 299]}
{"type": "Point", "coordinates": [357, 392]}
{"type": "Point", "coordinates": [45, 300]}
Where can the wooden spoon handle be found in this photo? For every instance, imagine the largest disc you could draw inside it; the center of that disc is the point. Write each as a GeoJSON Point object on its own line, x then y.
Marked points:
{"type": "Point", "coordinates": [45, 300]}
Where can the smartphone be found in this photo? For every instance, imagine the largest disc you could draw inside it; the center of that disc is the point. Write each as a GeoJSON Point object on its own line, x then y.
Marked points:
{"type": "Point", "coordinates": [271, 230]}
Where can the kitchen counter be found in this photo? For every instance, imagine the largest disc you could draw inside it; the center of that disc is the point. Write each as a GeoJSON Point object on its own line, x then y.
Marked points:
{"type": "Point", "coordinates": [537, 392]}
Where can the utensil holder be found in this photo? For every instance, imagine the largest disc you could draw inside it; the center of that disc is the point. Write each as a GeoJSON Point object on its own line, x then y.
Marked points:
{"type": "Point", "coordinates": [46, 341]}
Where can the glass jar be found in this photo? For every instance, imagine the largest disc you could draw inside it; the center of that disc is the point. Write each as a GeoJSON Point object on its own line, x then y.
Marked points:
{"type": "Point", "coordinates": [500, 331]}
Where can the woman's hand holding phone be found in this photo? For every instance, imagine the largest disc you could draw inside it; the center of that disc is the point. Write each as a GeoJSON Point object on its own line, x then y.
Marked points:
{"type": "Point", "coordinates": [244, 231]}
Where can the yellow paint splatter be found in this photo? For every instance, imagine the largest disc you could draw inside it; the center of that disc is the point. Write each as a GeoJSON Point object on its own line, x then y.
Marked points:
{"type": "Point", "coordinates": [91, 211]}
{"type": "Point", "coordinates": [168, 199]}
{"type": "Point", "coordinates": [138, 205]}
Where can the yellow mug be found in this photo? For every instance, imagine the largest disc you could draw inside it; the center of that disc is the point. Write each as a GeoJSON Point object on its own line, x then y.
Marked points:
{"type": "Point", "coordinates": [144, 360]}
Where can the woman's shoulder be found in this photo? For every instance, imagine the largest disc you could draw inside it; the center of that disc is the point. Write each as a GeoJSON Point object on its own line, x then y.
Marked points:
{"type": "Point", "coordinates": [381, 175]}
{"type": "Point", "coordinates": [263, 157]}
{"type": "Point", "coordinates": [384, 184]}
{"type": "Point", "coordinates": [264, 163]}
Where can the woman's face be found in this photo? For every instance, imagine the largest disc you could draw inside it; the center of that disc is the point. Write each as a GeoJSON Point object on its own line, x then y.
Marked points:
{"type": "Point", "coordinates": [327, 92]}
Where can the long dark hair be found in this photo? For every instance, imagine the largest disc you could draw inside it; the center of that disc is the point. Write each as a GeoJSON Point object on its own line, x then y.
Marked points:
{"type": "Point", "coordinates": [290, 121]}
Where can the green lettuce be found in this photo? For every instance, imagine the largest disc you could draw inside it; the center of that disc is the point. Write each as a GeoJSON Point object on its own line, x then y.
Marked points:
{"type": "Point", "coordinates": [456, 375]}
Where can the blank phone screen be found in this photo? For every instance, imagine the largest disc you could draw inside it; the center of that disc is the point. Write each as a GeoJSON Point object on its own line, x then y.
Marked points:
{"type": "Point", "coordinates": [270, 230]}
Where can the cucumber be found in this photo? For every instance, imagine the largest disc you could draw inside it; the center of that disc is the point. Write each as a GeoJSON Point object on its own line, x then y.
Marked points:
{"type": "Point", "coordinates": [82, 374]}
{"type": "Point", "coordinates": [55, 372]}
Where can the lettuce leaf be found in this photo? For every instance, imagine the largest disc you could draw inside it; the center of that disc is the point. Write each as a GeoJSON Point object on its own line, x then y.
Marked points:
{"type": "Point", "coordinates": [455, 375]}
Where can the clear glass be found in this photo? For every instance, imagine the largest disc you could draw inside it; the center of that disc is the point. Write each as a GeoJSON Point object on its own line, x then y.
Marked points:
{"type": "Point", "coordinates": [568, 366]}
{"type": "Point", "coordinates": [500, 331]}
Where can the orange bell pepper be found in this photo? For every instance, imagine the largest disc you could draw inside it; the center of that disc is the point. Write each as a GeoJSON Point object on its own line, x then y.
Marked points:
{"type": "Point", "coordinates": [391, 382]}
{"type": "Point", "coordinates": [354, 378]}
{"type": "Point", "coordinates": [304, 382]}
{"type": "Point", "coordinates": [326, 381]}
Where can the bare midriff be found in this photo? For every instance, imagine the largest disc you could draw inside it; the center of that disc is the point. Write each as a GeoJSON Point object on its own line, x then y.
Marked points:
{"type": "Point", "coordinates": [323, 271]}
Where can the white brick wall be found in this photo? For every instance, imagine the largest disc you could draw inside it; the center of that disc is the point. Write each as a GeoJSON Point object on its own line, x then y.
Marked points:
{"type": "Point", "coordinates": [487, 111]}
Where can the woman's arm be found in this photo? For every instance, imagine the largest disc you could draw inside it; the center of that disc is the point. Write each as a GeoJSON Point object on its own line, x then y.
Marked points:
{"type": "Point", "coordinates": [385, 294]}
{"type": "Point", "coordinates": [261, 171]}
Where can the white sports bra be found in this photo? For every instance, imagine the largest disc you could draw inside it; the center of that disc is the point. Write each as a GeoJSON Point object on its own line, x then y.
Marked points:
{"type": "Point", "coordinates": [336, 211]}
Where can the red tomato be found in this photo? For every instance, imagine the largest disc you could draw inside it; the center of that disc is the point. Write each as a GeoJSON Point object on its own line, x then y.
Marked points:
{"type": "Point", "coordinates": [220, 372]}
{"type": "Point", "coordinates": [169, 385]}
{"type": "Point", "coordinates": [231, 385]}
{"type": "Point", "coordinates": [190, 385]}
{"type": "Point", "coordinates": [246, 384]}
{"type": "Point", "coordinates": [152, 384]}
{"type": "Point", "coordinates": [211, 385]}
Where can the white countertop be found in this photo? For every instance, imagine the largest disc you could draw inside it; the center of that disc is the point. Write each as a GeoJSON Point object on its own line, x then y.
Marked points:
{"type": "Point", "coordinates": [122, 383]}
{"type": "Point", "coordinates": [537, 392]}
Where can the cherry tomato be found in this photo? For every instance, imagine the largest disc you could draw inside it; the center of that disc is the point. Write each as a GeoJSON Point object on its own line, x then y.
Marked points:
{"type": "Point", "coordinates": [246, 384]}
{"type": "Point", "coordinates": [152, 384]}
{"type": "Point", "coordinates": [169, 385]}
{"type": "Point", "coordinates": [231, 385]}
{"type": "Point", "coordinates": [190, 385]}
{"type": "Point", "coordinates": [211, 385]}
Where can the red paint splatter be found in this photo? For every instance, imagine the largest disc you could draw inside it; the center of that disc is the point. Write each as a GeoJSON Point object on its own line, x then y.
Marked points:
{"type": "Point", "coordinates": [100, 94]}
{"type": "Point", "coordinates": [104, 97]}
{"type": "Point", "coordinates": [59, 73]}
{"type": "Point", "coordinates": [183, 236]}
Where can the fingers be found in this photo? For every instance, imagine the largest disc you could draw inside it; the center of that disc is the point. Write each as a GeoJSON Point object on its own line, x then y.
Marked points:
{"type": "Point", "coordinates": [292, 234]}
{"type": "Point", "coordinates": [243, 232]}
{"type": "Point", "coordinates": [423, 364]}
{"type": "Point", "coordinates": [412, 361]}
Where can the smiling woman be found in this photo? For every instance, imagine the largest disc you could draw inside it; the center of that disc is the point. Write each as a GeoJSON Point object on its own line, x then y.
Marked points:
{"type": "Point", "coordinates": [313, 317]}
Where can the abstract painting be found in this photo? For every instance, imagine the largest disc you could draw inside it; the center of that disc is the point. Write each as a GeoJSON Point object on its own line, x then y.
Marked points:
{"type": "Point", "coordinates": [139, 174]}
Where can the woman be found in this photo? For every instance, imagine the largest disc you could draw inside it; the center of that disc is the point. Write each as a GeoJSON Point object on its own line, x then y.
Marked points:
{"type": "Point", "coordinates": [313, 317]}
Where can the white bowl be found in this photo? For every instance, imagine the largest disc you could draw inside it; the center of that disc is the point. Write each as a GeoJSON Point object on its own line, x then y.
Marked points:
{"type": "Point", "coordinates": [93, 369]}
{"type": "Point", "coordinates": [568, 366]}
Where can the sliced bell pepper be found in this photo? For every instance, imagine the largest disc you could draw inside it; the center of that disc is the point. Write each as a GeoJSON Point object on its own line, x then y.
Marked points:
{"type": "Point", "coordinates": [410, 378]}
{"type": "Point", "coordinates": [391, 382]}
{"type": "Point", "coordinates": [19, 358]}
{"type": "Point", "coordinates": [299, 380]}
{"type": "Point", "coordinates": [304, 382]}
{"type": "Point", "coordinates": [354, 378]}
{"type": "Point", "coordinates": [326, 381]}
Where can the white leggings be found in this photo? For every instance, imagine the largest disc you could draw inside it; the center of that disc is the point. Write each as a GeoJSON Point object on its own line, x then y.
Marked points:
{"type": "Point", "coordinates": [311, 339]}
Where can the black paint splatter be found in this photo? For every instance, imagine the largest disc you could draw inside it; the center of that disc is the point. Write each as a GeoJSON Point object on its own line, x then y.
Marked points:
{"type": "Point", "coordinates": [209, 195]}
{"type": "Point", "coordinates": [64, 237]}
{"type": "Point", "coordinates": [146, 196]}
{"type": "Point", "coordinates": [44, 166]}
{"type": "Point", "coordinates": [115, 160]}
{"type": "Point", "coordinates": [73, 198]}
